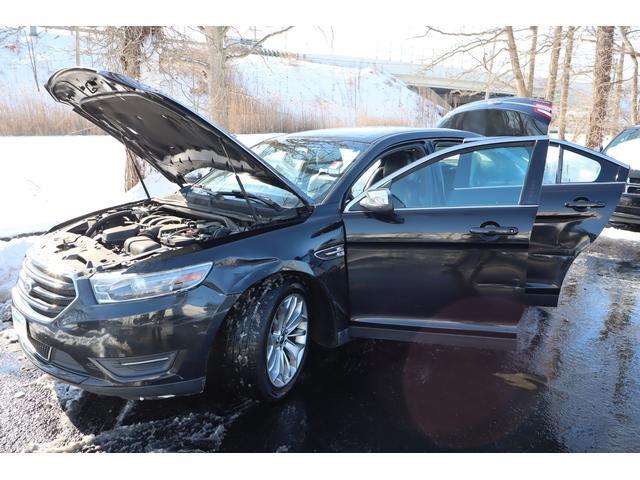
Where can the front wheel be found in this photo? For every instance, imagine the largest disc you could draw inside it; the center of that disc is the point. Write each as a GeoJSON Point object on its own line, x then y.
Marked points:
{"type": "Point", "coordinates": [265, 339]}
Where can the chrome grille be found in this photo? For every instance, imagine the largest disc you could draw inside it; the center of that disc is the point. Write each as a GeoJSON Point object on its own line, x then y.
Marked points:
{"type": "Point", "coordinates": [45, 292]}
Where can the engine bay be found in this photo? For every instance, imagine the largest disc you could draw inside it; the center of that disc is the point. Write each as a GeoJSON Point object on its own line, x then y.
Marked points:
{"type": "Point", "coordinates": [143, 229]}
{"type": "Point", "coordinates": [122, 235]}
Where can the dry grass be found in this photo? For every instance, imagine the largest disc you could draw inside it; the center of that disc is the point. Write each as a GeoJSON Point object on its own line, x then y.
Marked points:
{"type": "Point", "coordinates": [33, 116]}
{"type": "Point", "coordinates": [28, 115]}
{"type": "Point", "coordinates": [256, 115]}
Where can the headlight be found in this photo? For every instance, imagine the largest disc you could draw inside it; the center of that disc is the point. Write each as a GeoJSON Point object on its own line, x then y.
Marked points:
{"type": "Point", "coordinates": [120, 287]}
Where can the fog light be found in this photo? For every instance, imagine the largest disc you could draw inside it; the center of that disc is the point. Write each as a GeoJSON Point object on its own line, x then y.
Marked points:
{"type": "Point", "coordinates": [129, 367]}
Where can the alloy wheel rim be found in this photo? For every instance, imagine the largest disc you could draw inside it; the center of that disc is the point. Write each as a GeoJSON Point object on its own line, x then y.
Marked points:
{"type": "Point", "coordinates": [287, 340]}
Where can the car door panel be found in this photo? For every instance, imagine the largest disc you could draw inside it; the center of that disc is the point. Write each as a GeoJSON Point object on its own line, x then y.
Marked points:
{"type": "Point", "coordinates": [570, 217]}
{"type": "Point", "coordinates": [448, 271]}
{"type": "Point", "coordinates": [427, 264]}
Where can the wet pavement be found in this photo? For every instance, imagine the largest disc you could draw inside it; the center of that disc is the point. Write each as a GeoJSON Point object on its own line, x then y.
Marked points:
{"type": "Point", "coordinates": [573, 384]}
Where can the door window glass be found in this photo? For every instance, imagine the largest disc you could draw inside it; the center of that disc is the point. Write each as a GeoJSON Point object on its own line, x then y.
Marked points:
{"type": "Point", "coordinates": [385, 166]}
{"type": "Point", "coordinates": [551, 167]}
{"type": "Point", "coordinates": [358, 186]}
{"type": "Point", "coordinates": [577, 168]}
{"type": "Point", "coordinates": [486, 176]}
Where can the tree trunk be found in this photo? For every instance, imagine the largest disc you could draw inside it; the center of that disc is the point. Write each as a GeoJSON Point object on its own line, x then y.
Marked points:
{"type": "Point", "coordinates": [131, 58]}
{"type": "Point", "coordinates": [217, 87]}
{"type": "Point", "coordinates": [521, 88]}
{"type": "Point", "coordinates": [564, 92]}
{"type": "Point", "coordinates": [601, 86]}
{"type": "Point", "coordinates": [634, 91]}
{"type": "Point", "coordinates": [617, 96]}
{"type": "Point", "coordinates": [550, 92]}
{"type": "Point", "coordinates": [634, 78]}
{"type": "Point", "coordinates": [77, 46]}
{"type": "Point", "coordinates": [532, 59]}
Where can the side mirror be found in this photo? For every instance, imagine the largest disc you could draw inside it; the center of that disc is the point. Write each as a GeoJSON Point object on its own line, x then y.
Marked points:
{"type": "Point", "coordinates": [377, 201]}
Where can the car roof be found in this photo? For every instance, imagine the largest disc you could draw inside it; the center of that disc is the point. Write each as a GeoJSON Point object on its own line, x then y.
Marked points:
{"type": "Point", "coordinates": [373, 134]}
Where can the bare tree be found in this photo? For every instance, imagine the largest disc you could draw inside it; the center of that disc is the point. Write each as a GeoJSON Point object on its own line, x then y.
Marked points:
{"type": "Point", "coordinates": [617, 93]}
{"type": "Point", "coordinates": [532, 59]}
{"type": "Point", "coordinates": [219, 53]}
{"type": "Point", "coordinates": [32, 58]}
{"type": "Point", "coordinates": [77, 36]}
{"type": "Point", "coordinates": [550, 92]}
{"type": "Point", "coordinates": [601, 85]}
{"type": "Point", "coordinates": [512, 47]}
{"type": "Point", "coordinates": [131, 41]}
{"type": "Point", "coordinates": [497, 54]}
{"type": "Point", "coordinates": [566, 75]}
{"type": "Point", "coordinates": [634, 79]}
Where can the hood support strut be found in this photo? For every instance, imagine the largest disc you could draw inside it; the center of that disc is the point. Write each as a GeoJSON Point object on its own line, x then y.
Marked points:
{"type": "Point", "coordinates": [244, 192]}
{"type": "Point", "coordinates": [135, 167]}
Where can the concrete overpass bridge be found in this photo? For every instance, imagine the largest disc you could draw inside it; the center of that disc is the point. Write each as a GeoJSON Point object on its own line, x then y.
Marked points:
{"type": "Point", "coordinates": [447, 86]}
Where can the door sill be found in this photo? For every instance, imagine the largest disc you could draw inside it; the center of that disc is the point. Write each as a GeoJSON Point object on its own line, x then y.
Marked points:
{"type": "Point", "coordinates": [437, 332]}
{"type": "Point", "coordinates": [435, 338]}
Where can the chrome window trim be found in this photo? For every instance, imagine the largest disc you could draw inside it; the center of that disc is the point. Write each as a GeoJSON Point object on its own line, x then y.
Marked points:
{"type": "Point", "coordinates": [405, 209]}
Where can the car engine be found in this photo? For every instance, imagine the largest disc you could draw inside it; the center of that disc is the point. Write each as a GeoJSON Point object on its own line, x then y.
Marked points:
{"type": "Point", "coordinates": [140, 230]}
{"type": "Point", "coordinates": [120, 236]}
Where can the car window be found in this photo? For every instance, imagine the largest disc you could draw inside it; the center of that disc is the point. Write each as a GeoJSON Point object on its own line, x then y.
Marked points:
{"type": "Point", "coordinates": [314, 165]}
{"type": "Point", "coordinates": [577, 168]}
{"type": "Point", "coordinates": [486, 176]}
{"type": "Point", "coordinates": [384, 166]}
{"type": "Point", "coordinates": [626, 147]}
{"type": "Point", "coordinates": [551, 166]}
{"type": "Point", "coordinates": [498, 167]}
{"type": "Point", "coordinates": [625, 136]}
{"type": "Point", "coordinates": [358, 186]}
{"type": "Point", "coordinates": [496, 123]}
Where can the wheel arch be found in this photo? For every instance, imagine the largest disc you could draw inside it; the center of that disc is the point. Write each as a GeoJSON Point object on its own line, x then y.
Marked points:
{"type": "Point", "coordinates": [324, 319]}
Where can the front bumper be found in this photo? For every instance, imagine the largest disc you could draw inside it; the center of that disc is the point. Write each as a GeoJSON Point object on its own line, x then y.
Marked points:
{"type": "Point", "coordinates": [151, 348]}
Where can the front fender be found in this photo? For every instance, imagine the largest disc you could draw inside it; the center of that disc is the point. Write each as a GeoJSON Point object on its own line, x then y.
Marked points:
{"type": "Point", "coordinates": [235, 275]}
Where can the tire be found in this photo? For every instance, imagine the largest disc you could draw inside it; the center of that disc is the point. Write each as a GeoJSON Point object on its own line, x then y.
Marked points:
{"type": "Point", "coordinates": [248, 335]}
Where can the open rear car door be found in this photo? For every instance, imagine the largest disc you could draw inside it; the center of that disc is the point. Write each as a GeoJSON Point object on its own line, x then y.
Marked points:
{"type": "Point", "coordinates": [580, 189]}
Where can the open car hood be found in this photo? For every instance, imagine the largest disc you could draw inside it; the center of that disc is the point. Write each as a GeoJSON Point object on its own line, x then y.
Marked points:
{"type": "Point", "coordinates": [160, 130]}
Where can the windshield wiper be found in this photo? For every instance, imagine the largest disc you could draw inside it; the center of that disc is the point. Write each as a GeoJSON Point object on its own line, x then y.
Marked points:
{"type": "Point", "coordinates": [238, 194]}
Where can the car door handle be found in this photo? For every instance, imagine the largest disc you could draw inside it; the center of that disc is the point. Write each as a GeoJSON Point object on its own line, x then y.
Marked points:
{"type": "Point", "coordinates": [581, 205]}
{"type": "Point", "coordinates": [491, 231]}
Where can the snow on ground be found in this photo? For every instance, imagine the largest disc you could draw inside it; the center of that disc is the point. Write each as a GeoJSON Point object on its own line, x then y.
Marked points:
{"type": "Point", "coordinates": [618, 234]}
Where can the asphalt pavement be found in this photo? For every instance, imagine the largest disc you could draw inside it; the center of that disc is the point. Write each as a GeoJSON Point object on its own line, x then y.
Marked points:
{"type": "Point", "coordinates": [573, 384]}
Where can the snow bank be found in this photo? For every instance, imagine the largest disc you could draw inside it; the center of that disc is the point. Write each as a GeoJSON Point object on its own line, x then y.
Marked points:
{"type": "Point", "coordinates": [52, 179]}
{"type": "Point", "coordinates": [338, 92]}
{"type": "Point", "coordinates": [624, 235]}
{"type": "Point", "coordinates": [11, 255]}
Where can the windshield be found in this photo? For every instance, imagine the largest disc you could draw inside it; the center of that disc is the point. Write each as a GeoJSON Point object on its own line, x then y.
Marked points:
{"type": "Point", "coordinates": [225, 183]}
{"type": "Point", "coordinates": [626, 147]}
{"type": "Point", "coordinates": [313, 165]}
